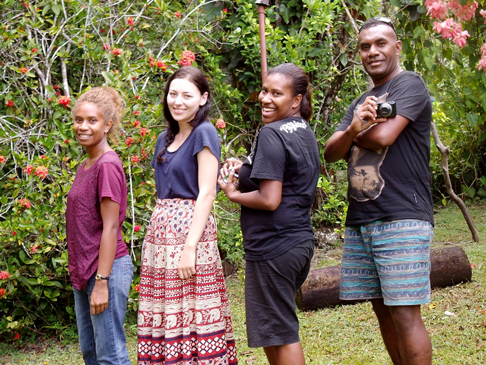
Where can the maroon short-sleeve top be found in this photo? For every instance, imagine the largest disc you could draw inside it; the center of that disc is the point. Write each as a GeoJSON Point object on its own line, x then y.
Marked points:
{"type": "Point", "coordinates": [84, 225]}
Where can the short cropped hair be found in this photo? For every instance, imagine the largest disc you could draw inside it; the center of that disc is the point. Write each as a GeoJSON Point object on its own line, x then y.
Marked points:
{"type": "Point", "coordinates": [378, 20]}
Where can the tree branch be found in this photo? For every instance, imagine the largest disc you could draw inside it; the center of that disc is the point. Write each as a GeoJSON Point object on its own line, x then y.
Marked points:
{"type": "Point", "coordinates": [444, 159]}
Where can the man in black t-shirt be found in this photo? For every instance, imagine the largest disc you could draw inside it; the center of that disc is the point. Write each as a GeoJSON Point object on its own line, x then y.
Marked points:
{"type": "Point", "coordinates": [389, 225]}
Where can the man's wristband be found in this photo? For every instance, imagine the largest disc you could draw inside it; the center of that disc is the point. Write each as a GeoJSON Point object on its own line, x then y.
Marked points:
{"type": "Point", "coordinates": [356, 111]}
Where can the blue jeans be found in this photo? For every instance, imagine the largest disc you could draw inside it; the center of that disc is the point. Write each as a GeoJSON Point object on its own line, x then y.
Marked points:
{"type": "Point", "coordinates": [101, 336]}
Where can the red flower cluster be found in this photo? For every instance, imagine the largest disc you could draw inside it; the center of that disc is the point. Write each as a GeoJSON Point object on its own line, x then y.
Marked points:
{"type": "Point", "coordinates": [463, 12]}
{"type": "Point", "coordinates": [220, 123]}
{"type": "Point", "coordinates": [135, 159]}
{"type": "Point", "coordinates": [439, 9]}
{"type": "Point", "coordinates": [2, 159]}
{"type": "Point", "coordinates": [436, 9]}
{"type": "Point", "coordinates": [23, 70]}
{"type": "Point", "coordinates": [28, 169]}
{"type": "Point", "coordinates": [161, 65]}
{"type": "Point", "coordinates": [117, 51]}
{"type": "Point", "coordinates": [130, 21]}
{"type": "Point", "coordinates": [136, 124]}
{"type": "Point", "coordinates": [151, 61]}
{"type": "Point", "coordinates": [10, 104]}
{"type": "Point", "coordinates": [2, 292]}
{"type": "Point", "coordinates": [144, 154]}
{"type": "Point", "coordinates": [143, 131]}
{"type": "Point", "coordinates": [4, 275]}
{"type": "Point", "coordinates": [187, 58]}
{"type": "Point", "coordinates": [41, 171]}
{"type": "Point", "coordinates": [137, 228]}
{"type": "Point", "coordinates": [64, 100]}
{"type": "Point", "coordinates": [178, 15]}
{"type": "Point", "coordinates": [106, 47]}
{"type": "Point", "coordinates": [24, 203]}
{"type": "Point", "coordinates": [137, 287]}
{"type": "Point", "coordinates": [129, 141]}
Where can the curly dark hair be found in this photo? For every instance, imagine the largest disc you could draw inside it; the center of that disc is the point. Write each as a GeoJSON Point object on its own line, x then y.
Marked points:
{"type": "Point", "coordinates": [109, 102]}
{"type": "Point", "coordinates": [195, 76]}
{"type": "Point", "coordinates": [300, 85]}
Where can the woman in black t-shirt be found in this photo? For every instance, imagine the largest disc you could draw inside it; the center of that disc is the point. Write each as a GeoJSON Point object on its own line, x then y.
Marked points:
{"type": "Point", "coordinates": [277, 187]}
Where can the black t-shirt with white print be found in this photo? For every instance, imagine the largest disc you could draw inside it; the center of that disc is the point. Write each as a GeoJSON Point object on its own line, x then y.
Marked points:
{"type": "Point", "coordinates": [393, 183]}
{"type": "Point", "coordinates": [285, 151]}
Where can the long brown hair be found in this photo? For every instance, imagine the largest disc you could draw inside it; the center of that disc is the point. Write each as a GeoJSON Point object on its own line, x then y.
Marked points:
{"type": "Point", "coordinates": [195, 76]}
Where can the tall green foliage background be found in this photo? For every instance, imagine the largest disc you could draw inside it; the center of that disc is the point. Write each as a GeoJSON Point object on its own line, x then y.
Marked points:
{"type": "Point", "coordinates": [53, 50]}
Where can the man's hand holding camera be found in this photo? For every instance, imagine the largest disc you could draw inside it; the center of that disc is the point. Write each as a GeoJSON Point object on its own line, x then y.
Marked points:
{"type": "Point", "coordinates": [368, 114]}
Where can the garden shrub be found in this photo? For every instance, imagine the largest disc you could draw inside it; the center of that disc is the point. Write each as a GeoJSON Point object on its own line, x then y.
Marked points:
{"type": "Point", "coordinates": [53, 51]}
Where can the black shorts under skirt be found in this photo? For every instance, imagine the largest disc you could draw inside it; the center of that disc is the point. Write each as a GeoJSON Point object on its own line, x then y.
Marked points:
{"type": "Point", "coordinates": [270, 289]}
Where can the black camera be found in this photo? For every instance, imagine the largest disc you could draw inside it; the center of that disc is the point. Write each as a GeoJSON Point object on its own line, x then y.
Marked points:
{"type": "Point", "coordinates": [386, 110]}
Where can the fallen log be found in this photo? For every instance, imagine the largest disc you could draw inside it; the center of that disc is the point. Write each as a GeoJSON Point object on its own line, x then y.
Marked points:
{"type": "Point", "coordinates": [449, 266]}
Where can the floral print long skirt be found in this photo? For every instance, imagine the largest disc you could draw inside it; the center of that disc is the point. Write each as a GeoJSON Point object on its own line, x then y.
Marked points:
{"type": "Point", "coordinates": [182, 321]}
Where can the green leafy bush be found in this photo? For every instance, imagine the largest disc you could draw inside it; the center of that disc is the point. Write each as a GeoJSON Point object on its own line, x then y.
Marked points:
{"type": "Point", "coordinates": [331, 204]}
{"type": "Point", "coordinates": [53, 51]}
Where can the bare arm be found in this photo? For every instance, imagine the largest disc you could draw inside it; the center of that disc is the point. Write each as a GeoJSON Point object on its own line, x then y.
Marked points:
{"type": "Point", "coordinates": [267, 197]}
{"type": "Point", "coordinates": [337, 147]}
{"type": "Point", "coordinates": [208, 169]}
{"type": "Point", "coordinates": [382, 135]}
{"type": "Point", "coordinates": [110, 215]}
{"type": "Point", "coordinates": [364, 117]}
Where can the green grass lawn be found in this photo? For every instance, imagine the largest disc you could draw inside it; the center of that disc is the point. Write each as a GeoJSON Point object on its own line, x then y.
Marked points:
{"type": "Point", "coordinates": [347, 334]}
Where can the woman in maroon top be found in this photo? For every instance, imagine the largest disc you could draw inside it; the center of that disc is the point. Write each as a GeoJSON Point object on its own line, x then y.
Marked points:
{"type": "Point", "coordinates": [101, 269]}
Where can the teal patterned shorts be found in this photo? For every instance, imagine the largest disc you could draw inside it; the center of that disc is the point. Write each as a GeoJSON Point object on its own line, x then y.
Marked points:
{"type": "Point", "coordinates": [389, 260]}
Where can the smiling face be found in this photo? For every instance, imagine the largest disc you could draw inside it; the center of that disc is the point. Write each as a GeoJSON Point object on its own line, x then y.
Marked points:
{"type": "Point", "coordinates": [184, 100]}
{"type": "Point", "coordinates": [90, 126]}
{"type": "Point", "coordinates": [277, 98]}
{"type": "Point", "coordinates": [380, 53]}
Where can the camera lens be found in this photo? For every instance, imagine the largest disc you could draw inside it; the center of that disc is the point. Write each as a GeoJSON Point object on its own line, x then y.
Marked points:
{"type": "Point", "coordinates": [385, 109]}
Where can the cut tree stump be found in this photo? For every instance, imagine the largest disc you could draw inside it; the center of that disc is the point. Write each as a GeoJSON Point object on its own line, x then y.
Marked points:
{"type": "Point", "coordinates": [449, 266]}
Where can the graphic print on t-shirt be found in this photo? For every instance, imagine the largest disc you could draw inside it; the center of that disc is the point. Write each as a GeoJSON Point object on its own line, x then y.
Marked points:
{"type": "Point", "coordinates": [364, 176]}
{"type": "Point", "coordinates": [292, 126]}
{"type": "Point", "coordinates": [365, 181]}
